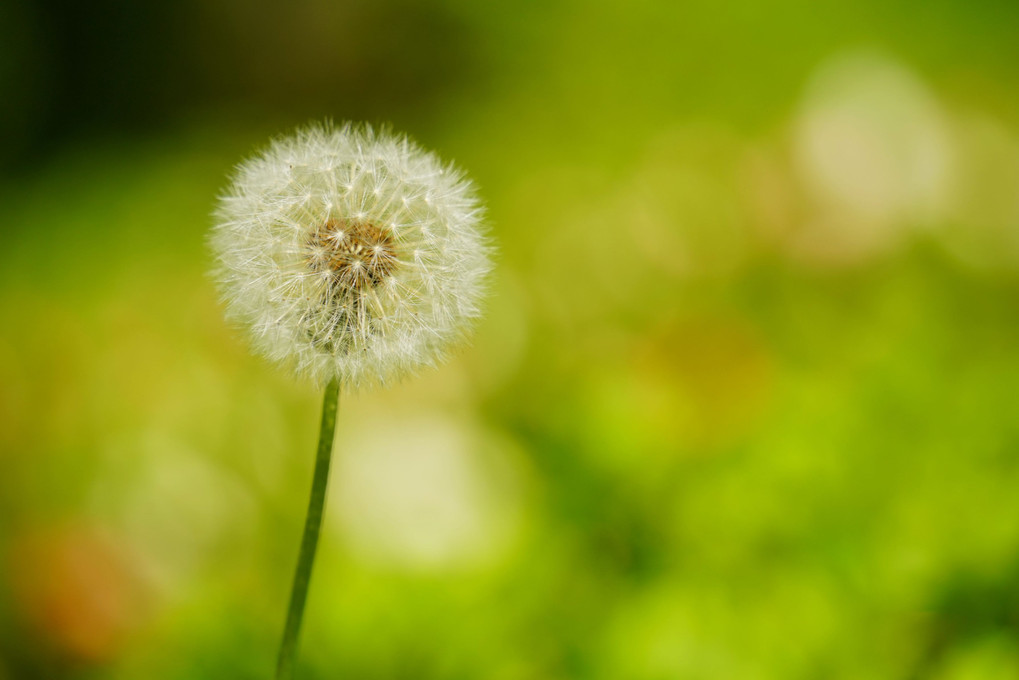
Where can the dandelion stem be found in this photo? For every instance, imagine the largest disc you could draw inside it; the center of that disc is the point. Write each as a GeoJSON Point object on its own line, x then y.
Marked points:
{"type": "Point", "coordinates": [312, 525]}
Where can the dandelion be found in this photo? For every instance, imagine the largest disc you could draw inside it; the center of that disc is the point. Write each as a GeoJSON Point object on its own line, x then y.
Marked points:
{"type": "Point", "coordinates": [353, 257]}
{"type": "Point", "coordinates": [350, 254]}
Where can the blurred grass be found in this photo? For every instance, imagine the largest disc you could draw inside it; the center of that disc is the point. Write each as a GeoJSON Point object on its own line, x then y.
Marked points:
{"type": "Point", "coordinates": [703, 433]}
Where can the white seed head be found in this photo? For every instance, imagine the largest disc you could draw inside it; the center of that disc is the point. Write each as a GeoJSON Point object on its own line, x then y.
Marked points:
{"type": "Point", "coordinates": [350, 253]}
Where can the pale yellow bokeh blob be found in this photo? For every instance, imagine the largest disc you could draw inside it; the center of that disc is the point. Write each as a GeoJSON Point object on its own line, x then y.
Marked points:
{"type": "Point", "coordinates": [425, 491]}
{"type": "Point", "coordinates": [872, 149]}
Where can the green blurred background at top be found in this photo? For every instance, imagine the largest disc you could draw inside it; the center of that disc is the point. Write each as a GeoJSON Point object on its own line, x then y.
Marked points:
{"type": "Point", "coordinates": [743, 404]}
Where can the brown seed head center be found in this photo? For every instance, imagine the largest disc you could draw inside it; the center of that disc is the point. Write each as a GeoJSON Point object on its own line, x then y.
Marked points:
{"type": "Point", "coordinates": [355, 255]}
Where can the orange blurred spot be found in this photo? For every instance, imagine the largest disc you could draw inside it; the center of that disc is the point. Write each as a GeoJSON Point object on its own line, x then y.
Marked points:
{"type": "Point", "coordinates": [78, 589]}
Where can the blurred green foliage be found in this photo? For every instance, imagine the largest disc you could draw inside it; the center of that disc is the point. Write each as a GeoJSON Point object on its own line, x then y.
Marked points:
{"type": "Point", "coordinates": [743, 404]}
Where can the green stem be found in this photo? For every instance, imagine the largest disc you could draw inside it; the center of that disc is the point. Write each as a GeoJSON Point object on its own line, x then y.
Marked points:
{"type": "Point", "coordinates": [312, 525]}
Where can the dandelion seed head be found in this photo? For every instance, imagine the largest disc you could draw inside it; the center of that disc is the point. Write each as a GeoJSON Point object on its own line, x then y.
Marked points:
{"type": "Point", "coordinates": [350, 253]}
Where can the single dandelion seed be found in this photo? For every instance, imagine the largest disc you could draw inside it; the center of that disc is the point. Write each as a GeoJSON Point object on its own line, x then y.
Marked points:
{"type": "Point", "coordinates": [353, 257]}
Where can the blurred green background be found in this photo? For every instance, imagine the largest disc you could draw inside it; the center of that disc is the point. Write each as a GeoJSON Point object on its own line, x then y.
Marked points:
{"type": "Point", "coordinates": [743, 405]}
